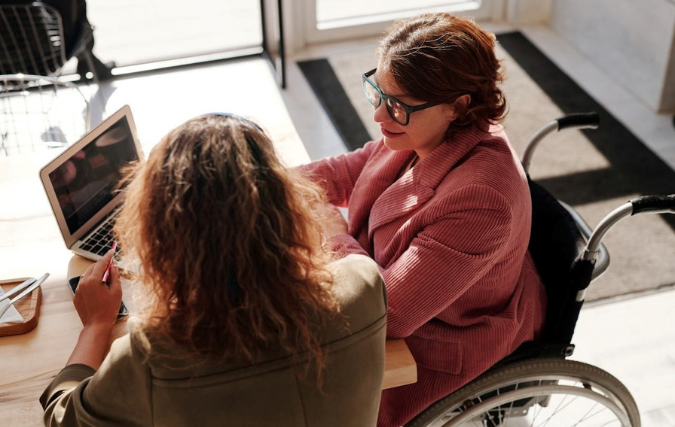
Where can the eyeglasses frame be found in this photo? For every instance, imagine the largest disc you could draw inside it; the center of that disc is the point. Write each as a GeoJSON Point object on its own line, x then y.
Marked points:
{"type": "Point", "coordinates": [409, 109]}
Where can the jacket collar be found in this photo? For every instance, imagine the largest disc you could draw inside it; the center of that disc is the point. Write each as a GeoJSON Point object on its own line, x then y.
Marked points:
{"type": "Point", "coordinates": [419, 184]}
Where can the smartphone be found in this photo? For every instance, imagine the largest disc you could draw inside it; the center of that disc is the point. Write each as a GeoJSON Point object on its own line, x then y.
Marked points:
{"type": "Point", "coordinates": [72, 283]}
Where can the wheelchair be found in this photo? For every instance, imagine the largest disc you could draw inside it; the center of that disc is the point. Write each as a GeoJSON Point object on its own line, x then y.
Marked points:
{"type": "Point", "coordinates": [536, 385]}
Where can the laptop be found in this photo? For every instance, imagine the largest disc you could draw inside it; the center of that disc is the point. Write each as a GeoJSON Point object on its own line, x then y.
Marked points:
{"type": "Point", "coordinates": [82, 183]}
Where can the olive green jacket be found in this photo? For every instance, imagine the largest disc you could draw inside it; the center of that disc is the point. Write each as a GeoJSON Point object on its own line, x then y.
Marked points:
{"type": "Point", "coordinates": [133, 388]}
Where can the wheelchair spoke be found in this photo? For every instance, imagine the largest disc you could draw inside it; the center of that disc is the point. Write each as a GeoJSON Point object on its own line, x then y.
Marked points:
{"type": "Point", "coordinates": [500, 417]}
{"type": "Point", "coordinates": [586, 416]}
{"type": "Point", "coordinates": [510, 408]}
{"type": "Point", "coordinates": [537, 411]}
{"type": "Point", "coordinates": [496, 420]}
{"type": "Point", "coordinates": [598, 412]}
{"type": "Point", "coordinates": [534, 418]}
{"type": "Point", "coordinates": [559, 409]}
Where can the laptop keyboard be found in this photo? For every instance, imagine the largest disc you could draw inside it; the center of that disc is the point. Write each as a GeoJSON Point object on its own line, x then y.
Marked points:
{"type": "Point", "coordinates": [101, 240]}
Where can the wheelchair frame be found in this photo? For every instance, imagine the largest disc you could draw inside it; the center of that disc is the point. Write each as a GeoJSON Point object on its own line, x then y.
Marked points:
{"type": "Point", "coordinates": [537, 374]}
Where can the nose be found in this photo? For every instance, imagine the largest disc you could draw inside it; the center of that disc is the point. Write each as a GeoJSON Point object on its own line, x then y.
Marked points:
{"type": "Point", "coordinates": [381, 114]}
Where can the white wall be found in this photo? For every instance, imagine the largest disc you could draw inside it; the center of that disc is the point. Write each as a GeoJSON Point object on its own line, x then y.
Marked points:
{"type": "Point", "coordinates": [632, 41]}
{"type": "Point", "coordinates": [521, 12]}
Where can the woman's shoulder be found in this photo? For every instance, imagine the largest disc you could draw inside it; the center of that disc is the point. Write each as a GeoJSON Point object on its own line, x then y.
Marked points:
{"type": "Point", "coordinates": [493, 160]}
{"type": "Point", "coordinates": [355, 265]}
{"type": "Point", "coordinates": [130, 349]}
{"type": "Point", "coordinates": [494, 138]}
{"type": "Point", "coordinates": [356, 275]}
{"type": "Point", "coordinates": [489, 173]}
{"type": "Point", "coordinates": [139, 338]}
{"type": "Point", "coordinates": [359, 289]}
{"type": "Point", "coordinates": [144, 345]}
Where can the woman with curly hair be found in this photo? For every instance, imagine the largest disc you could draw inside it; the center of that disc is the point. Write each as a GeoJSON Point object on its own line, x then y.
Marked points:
{"type": "Point", "coordinates": [247, 320]}
{"type": "Point", "coordinates": [442, 204]}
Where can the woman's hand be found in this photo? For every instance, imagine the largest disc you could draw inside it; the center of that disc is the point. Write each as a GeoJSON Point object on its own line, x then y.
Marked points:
{"type": "Point", "coordinates": [97, 303]}
{"type": "Point", "coordinates": [334, 221]}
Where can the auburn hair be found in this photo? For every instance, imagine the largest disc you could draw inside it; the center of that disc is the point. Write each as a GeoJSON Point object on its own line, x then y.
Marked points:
{"type": "Point", "coordinates": [229, 243]}
{"type": "Point", "coordinates": [438, 57]}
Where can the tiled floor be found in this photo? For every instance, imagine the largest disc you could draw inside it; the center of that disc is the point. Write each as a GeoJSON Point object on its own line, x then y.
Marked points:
{"type": "Point", "coordinates": [634, 340]}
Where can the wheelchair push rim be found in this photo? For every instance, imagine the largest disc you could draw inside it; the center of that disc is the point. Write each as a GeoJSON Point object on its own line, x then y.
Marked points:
{"type": "Point", "coordinates": [536, 393]}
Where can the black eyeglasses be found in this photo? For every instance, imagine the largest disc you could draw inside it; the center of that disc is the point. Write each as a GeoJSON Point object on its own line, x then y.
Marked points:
{"type": "Point", "coordinates": [398, 110]}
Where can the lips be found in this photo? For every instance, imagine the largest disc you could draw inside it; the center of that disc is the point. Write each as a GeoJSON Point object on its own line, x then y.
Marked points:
{"type": "Point", "coordinates": [389, 134]}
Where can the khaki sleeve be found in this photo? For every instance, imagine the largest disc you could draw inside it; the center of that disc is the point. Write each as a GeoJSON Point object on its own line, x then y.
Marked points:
{"type": "Point", "coordinates": [118, 394]}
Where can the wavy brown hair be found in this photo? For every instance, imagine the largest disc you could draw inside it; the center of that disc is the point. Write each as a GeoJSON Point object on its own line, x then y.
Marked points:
{"type": "Point", "coordinates": [438, 57]}
{"type": "Point", "coordinates": [229, 243]}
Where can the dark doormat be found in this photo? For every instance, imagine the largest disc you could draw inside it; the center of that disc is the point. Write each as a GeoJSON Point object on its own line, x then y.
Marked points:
{"type": "Point", "coordinates": [642, 249]}
{"type": "Point", "coordinates": [334, 100]}
{"type": "Point", "coordinates": [634, 168]}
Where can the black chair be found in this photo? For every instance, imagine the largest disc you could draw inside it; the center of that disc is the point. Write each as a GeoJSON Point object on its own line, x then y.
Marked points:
{"type": "Point", "coordinates": [34, 40]}
{"type": "Point", "coordinates": [40, 112]}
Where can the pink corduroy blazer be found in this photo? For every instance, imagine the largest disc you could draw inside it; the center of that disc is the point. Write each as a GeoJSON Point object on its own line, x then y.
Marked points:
{"type": "Point", "coordinates": [450, 237]}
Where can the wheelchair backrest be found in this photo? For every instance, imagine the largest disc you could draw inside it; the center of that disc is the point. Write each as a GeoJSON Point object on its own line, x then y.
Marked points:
{"type": "Point", "coordinates": [556, 245]}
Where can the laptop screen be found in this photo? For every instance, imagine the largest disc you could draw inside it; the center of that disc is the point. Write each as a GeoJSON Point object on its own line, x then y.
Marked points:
{"type": "Point", "coordinates": [87, 181]}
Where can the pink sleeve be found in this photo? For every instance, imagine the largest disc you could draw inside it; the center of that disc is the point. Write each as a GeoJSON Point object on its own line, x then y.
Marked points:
{"type": "Point", "coordinates": [337, 175]}
{"type": "Point", "coordinates": [344, 244]}
{"type": "Point", "coordinates": [446, 258]}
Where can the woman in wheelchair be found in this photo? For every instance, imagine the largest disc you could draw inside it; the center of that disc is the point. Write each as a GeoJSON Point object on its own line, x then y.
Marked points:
{"type": "Point", "coordinates": [247, 321]}
{"type": "Point", "coordinates": [442, 204]}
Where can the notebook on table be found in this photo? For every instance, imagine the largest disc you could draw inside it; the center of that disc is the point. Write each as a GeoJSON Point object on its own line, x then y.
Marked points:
{"type": "Point", "coordinates": [82, 183]}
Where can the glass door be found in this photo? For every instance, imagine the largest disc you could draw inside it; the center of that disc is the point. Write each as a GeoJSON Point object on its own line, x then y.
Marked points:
{"type": "Point", "coordinates": [132, 32]}
{"type": "Point", "coordinates": [331, 20]}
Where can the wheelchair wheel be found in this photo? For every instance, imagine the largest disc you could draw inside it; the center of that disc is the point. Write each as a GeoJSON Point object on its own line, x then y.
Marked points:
{"type": "Point", "coordinates": [537, 393]}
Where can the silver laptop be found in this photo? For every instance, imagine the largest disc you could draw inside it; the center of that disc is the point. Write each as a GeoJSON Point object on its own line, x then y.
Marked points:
{"type": "Point", "coordinates": [82, 183]}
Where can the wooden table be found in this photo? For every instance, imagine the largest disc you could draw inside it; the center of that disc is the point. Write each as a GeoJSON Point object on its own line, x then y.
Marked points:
{"type": "Point", "coordinates": [30, 245]}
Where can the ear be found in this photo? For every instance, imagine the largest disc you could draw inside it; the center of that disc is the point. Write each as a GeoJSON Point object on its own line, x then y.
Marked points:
{"type": "Point", "coordinates": [455, 110]}
{"type": "Point", "coordinates": [460, 105]}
